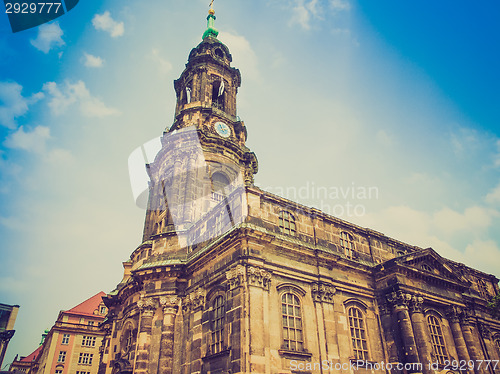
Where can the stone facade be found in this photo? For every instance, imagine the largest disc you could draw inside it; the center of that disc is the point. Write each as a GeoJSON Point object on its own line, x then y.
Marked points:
{"type": "Point", "coordinates": [285, 288]}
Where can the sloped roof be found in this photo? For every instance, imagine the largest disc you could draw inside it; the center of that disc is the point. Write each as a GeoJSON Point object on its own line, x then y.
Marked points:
{"type": "Point", "coordinates": [32, 356]}
{"type": "Point", "coordinates": [88, 306]}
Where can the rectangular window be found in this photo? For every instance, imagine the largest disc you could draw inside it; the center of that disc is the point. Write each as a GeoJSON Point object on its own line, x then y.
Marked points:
{"type": "Point", "coordinates": [91, 323]}
{"type": "Point", "coordinates": [88, 341]}
{"type": "Point", "coordinates": [65, 339]}
{"type": "Point", "coordinates": [58, 371]}
{"type": "Point", "coordinates": [62, 356]}
{"type": "Point", "coordinates": [85, 358]}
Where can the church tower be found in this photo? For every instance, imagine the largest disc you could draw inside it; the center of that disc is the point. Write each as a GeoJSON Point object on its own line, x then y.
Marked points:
{"type": "Point", "coordinates": [203, 158]}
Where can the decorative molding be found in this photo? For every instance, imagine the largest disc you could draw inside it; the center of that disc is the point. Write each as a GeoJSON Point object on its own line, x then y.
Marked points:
{"type": "Point", "coordinates": [147, 305]}
{"type": "Point", "coordinates": [169, 303]}
{"type": "Point", "coordinates": [236, 276]}
{"type": "Point", "coordinates": [484, 330]}
{"type": "Point", "coordinates": [258, 277]}
{"type": "Point", "coordinates": [454, 314]}
{"type": "Point", "coordinates": [194, 300]}
{"type": "Point", "coordinates": [400, 299]}
{"type": "Point", "coordinates": [322, 292]}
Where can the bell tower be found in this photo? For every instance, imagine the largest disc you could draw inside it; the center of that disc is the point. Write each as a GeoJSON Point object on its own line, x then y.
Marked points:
{"type": "Point", "coordinates": [203, 158]}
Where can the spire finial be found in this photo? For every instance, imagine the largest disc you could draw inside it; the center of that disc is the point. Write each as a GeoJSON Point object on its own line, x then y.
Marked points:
{"type": "Point", "coordinates": [211, 30]}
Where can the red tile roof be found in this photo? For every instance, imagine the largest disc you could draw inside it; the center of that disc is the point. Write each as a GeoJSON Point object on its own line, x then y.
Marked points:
{"type": "Point", "coordinates": [32, 357]}
{"type": "Point", "coordinates": [88, 306]}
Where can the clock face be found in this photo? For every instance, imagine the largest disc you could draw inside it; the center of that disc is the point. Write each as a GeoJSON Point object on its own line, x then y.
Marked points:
{"type": "Point", "coordinates": [222, 129]}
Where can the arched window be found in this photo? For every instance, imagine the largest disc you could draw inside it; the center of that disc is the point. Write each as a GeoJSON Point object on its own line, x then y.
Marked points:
{"type": "Point", "coordinates": [497, 343]}
{"type": "Point", "coordinates": [128, 341]}
{"type": "Point", "coordinates": [218, 94]}
{"type": "Point", "coordinates": [287, 223]}
{"type": "Point", "coordinates": [218, 314]}
{"type": "Point", "coordinates": [358, 333]}
{"type": "Point", "coordinates": [347, 243]}
{"type": "Point", "coordinates": [219, 184]}
{"type": "Point", "coordinates": [292, 322]}
{"type": "Point", "coordinates": [437, 339]}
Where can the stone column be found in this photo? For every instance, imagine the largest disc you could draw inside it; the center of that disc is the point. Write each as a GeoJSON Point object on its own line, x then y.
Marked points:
{"type": "Point", "coordinates": [170, 305]}
{"type": "Point", "coordinates": [472, 342]}
{"type": "Point", "coordinates": [147, 307]}
{"type": "Point", "coordinates": [458, 336]}
{"type": "Point", "coordinates": [388, 327]}
{"type": "Point", "coordinates": [422, 338]}
{"type": "Point", "coordinates": [490, 351]}
{"type": "Point", "coordinates": [322, 295]}
{"type": "Point", "coordinates": [399, 301]}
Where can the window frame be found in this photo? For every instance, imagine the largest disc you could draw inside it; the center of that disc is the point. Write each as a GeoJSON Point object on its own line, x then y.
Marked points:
{"type": "Point", "coordinates": [85, 358]}
{"type": "Point", "coordinates": [348, 248]}
{"type": "Point", "coordinates": [218, 324]}
{"type": "Point", "coordinates": [359, 340]}
{"type": "Point", "coordinates": [297, 318]}
{"type": "Point", "coordinates": [65, 339]}
{"type": "Point", "coordinates": [287, 223]}
{"type": "Point", "coordinates": [62, 357]}
{"type": "Point", "coordinates": [438, 345]}
{"type": "Point", "coordinates": [88, 341]}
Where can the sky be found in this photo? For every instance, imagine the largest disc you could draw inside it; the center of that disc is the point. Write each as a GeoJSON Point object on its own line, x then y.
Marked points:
{"type": "Point", "coordinates": [396, 98]}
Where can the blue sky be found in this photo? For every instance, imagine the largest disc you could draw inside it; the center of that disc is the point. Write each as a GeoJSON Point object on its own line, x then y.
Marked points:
{"type": "Point", "coordinates": [397, 95]}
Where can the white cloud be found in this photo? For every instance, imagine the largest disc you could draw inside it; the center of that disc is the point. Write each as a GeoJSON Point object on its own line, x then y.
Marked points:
{"type": "Point", "coordinates": [464, 140]}
{"type": "Point", "coordinates": [483, 254]}
{"type": "Point", "coordinates": [383, 138]}
{"type": "Point", "coordinates": [474, 218]}
{"type": "Point", "coordinates": [496, 158]}
{"type": "Point", "coordinates": [13, 103]}
{"type": "Point", "coordinates": [304, 11]}
{"type": "Point", "coordinates": [60, 156]}
{"type": "Point", "coordinates": [340, 5]}
{"type": "Point", "coordinates": [92, 61]}
{"type": "Point", "coordinates": [106, 23]}
{"type": "Point", "coordinates": [31, 141]}
{"type": "Point", "coordinates": [494, 196]}
{"type": "Point", "coordinates": [300, 16]}
{"type": "Point", "coordinates": [49, 36]}
{"type": "Point", "coordinates": [243, 55]}
{"type": "Point", "coordinates": [164, 66]}
{"type": "Point", "coordinates": [62, 96]}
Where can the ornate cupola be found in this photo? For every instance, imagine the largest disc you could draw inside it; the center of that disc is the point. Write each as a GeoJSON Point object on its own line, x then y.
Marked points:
{"type": "Point", "coordinates": [206, 90]}
{"type": "Point", "coordinates": [203, 158]}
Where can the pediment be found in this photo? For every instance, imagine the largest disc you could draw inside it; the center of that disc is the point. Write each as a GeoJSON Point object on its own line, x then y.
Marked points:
{"type": "Point", "coordinates": [429, 262]}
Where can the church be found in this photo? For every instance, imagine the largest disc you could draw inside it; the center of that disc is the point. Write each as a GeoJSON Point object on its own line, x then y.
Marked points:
{"type": "Point", "coordinates": [230, 278]}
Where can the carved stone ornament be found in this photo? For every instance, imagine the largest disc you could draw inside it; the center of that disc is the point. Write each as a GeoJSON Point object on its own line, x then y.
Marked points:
{"type": "Point", "coordinates": [322, 292]}
{"type": "Point", "coordinates": [484, 330]}
{"type": "Point", "coordinates": [235, 276]}
{"type": "Point", "coordinates": [147, 305]}
{"type": "Point", "coordinates": [416, 304]}
{"type": "Point", "coordinates": [400, 299]}
{"type": "Point", "coordinates": [258, 277]}
{"type": "Point", "coordinates": [454, 313]}
{"type": "Point", "coordinates": [169, 303]}
{"type": "Point", "coordinates": [194, 300]}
